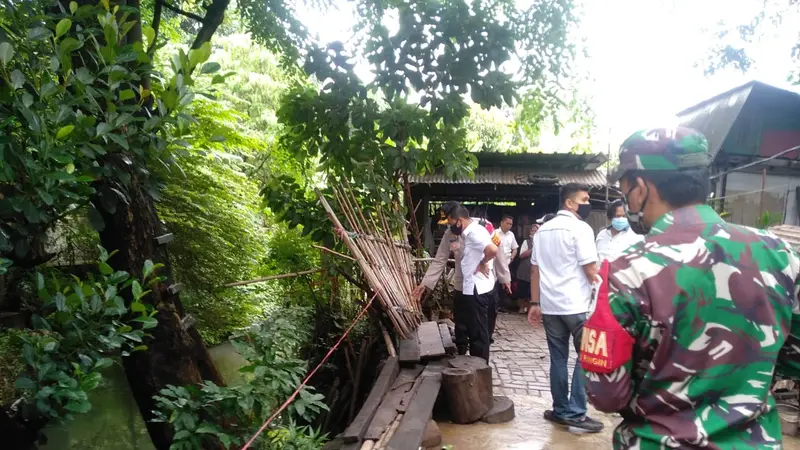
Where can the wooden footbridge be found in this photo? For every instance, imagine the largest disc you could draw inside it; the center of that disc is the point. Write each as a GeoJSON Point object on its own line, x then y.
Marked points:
{"type": "Point", "coordinates": [423, 379]}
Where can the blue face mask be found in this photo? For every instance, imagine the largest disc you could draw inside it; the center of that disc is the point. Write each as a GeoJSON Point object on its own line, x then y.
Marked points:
{"type": "Point", "coordinates": [620, 223]}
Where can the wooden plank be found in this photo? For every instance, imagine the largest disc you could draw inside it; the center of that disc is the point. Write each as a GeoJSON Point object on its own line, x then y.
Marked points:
{"type": "Point", "coordinates": [430, 341]}
{"type": "Point", "coordinates": [355, 432]}
{"type": "Point", "coordinates": [408, 396]}
{"type": "Point", "coordinates": [409, 349]}
{"type": "Point", "coordinates": [447, 340]}
{"type": "Point", "coordinates": [412, 427]}
{"type": "Point", "coordinates": [387, 411]}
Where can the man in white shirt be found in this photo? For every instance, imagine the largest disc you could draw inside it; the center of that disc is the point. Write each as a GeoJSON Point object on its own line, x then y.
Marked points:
{"type": "Point", "coordinates": [508, 242]}
{"type": "Point", "coordinates": [454, 243]}
{"type": "Point", "coordinates": [478, 278]}
{"type": "Point", "coordinates": [563, 269]}
{"type": "Point", "coordinates": [505, 240]}
{"type": "Point", "coordinates": [617, 237]}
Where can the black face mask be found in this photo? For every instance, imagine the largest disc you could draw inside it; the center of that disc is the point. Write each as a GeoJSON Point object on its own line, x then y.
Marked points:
{"type": "Point", "coordinates": [584, 210]}
{"type": "Point", "coordinates": [636, 219]}
{"type": "Point", "coordinates": [456, 229]}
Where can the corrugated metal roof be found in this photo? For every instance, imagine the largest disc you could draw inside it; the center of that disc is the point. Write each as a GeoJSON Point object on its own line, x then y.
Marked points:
{"type": "Point", "coordinates": [715, 117]}
{"type": "Point", "coordinates": [562, 162]}
{"type": "Point", "coordinates": [789, 233]}
{"type": "Point", "coordinates": [517, 176]}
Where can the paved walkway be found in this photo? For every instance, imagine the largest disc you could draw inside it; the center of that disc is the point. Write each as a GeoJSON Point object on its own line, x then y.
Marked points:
{"type": "Point", "coordinates": [520, 358]}
{"type": "Point", "coordinates": [521, 365]}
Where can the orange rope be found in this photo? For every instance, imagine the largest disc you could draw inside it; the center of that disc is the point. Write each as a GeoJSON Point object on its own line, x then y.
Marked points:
{"type": "Point", "coordinates": [303, 384]}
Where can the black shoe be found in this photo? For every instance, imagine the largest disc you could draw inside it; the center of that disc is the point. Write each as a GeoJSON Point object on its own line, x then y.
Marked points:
{"type": "Point", "coordinates": [586, 423]}
{"type": "Point", "coordinates": [550, 416]}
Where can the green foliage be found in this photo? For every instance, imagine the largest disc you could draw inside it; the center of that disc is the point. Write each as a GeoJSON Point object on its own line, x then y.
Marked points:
{"type": "Point", "coordinates": [768, 219]}
{"type": "Point", "coordinates": [11, 363]}
{"type": "Point", "coordinates": [81, 326]}
{"type": "Point", "coordinates": [233, 414]}
{"type": "Point", "coordinates": [411, 118]}
{"type": "Point", "coordinates": [214, 211]}
{"type": "Point", "coordinates": [68, 128]}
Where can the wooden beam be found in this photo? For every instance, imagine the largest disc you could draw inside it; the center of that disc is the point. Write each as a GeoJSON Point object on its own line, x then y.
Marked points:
{"type": "Point", "coordinates": [409, 349]}
{"type": "Point", "coordinates": [355, 432]}
{"type": "Point", "coordinates": [273, 277]}
{"type": "Point", "coordinates": [447, 339]}
{"type": "Point", "coordinates": [430, 341]}
{"type": "Point", "coordinates": [387, 411]}
{"type": "Point", "coordinates": [412, 427]}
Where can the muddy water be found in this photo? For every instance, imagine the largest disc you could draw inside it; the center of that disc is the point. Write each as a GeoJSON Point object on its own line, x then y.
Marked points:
{"type": "Point", "coordinates": [529, 431]}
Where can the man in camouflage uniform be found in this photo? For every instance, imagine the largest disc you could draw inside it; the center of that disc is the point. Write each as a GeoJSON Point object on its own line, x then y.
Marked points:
{"type": "Point", "coordinates": [709, 305]}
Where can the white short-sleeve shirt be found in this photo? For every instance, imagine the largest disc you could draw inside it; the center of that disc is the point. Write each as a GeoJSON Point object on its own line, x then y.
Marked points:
{"type": "Point", "coordinates": [561, 248]}
{"type": "Point", "coordinates": [476, 238]}
{"type": "Point", "coordinates": [507, 242]}
{"type": "Point", "coordinates": [610, 246]}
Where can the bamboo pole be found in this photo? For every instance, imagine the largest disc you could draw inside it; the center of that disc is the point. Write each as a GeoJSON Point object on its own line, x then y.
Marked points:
{"type": "Point", "coordinates": [273, 277]}
{"type": "Point", "coordinates": [326, 249]}
{"type": "Point", "coordinates": [402, 326]}
{"type": "Point", "coordinates": [389, 432]}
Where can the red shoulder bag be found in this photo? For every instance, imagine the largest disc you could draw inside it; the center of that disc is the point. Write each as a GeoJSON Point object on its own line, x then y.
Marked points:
{"type": "Point", "coordinates": [605, 344]}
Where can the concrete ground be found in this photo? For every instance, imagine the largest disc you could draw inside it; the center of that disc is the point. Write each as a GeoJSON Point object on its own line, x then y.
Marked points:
{"type": "Point", "coordinates": [521, 364]}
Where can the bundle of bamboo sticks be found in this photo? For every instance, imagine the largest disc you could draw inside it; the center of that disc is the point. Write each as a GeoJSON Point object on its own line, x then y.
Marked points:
{"type": "Point", "coordinates": [386, 262]}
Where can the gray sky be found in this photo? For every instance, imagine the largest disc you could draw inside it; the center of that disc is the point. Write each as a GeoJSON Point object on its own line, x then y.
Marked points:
{"type": "Point", "coordinates": [643, 57]}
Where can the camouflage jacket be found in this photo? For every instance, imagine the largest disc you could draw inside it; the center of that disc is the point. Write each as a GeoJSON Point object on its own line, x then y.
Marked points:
{"type": "Point", "coordinates": [713, 310]}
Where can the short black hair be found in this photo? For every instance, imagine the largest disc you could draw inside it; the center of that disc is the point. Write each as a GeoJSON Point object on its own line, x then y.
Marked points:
{"type": "Point", "coordinates": [507, 216]}
{"type": "Point", "coordinates": [612, 209]}
{"type": "Point", "coordinates": [459, 212]}
{"type": "Point", "coordinates": [570, 189]}
{"type": "Point", "coordinates": [449, 207]}
{"type": "Point", "coordinates": [677, 188]}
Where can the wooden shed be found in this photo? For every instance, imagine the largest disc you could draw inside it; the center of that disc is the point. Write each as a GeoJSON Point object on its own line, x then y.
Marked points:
{"type": "Point", "coordinates": [523, 185]}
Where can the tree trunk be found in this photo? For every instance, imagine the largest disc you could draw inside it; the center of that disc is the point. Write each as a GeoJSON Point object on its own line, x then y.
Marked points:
{"type": "Point", "coordinates": [173, 356]}
{"type": "Point", "coordinates": [467, 385]}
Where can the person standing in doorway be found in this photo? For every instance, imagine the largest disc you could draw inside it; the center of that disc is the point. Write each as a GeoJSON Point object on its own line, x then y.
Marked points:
{"type": "Point", "coordinates": [523, 292]}
{"type": "Point", "coordinates": [564, 268]}
{"type": "Point", "coordinates": [618, 236]}
{"type": "Point", "coordinates": [506, 242]}
{"type": "Point", "coordinates": [453, 243]}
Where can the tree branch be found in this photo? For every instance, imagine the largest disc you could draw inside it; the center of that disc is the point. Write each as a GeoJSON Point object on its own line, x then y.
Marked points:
{"type": "Point", "coordinates": [177, 10]}
{"type": "Point", "coordinates": [157, 9]}
{"type": "Point", "coordinates": [215, 13]}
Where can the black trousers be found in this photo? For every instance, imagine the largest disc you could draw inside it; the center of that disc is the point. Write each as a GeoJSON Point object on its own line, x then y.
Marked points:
{"type": "Point", "coordinates": [476, 309]}
{"type": "Point", "coordinates": [460, 314]}
{"type": "Point", "coordinates": [493, 310]}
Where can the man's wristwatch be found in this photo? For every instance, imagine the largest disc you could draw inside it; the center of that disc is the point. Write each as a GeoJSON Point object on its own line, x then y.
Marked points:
{"type": "Point", "coordinates": [533, 304]}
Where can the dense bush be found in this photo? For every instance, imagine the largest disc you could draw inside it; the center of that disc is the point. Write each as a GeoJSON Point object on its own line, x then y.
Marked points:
{"type": "Point", "coordinates": [200, 414]}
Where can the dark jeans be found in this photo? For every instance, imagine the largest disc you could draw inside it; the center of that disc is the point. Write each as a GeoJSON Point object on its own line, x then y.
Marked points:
{"type": "Point", "coordinates": [567, 403]}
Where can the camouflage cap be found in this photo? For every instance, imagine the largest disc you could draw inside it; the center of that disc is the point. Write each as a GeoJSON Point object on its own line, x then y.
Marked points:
{"type": "Point", "coordinates": [664, 149]}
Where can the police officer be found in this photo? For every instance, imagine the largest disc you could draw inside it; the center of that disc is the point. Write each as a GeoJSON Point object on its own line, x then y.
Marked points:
{"type": "Point", "coordinates": [697, 317]}
{"type": "Point", "coordinates": [453, 243]}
